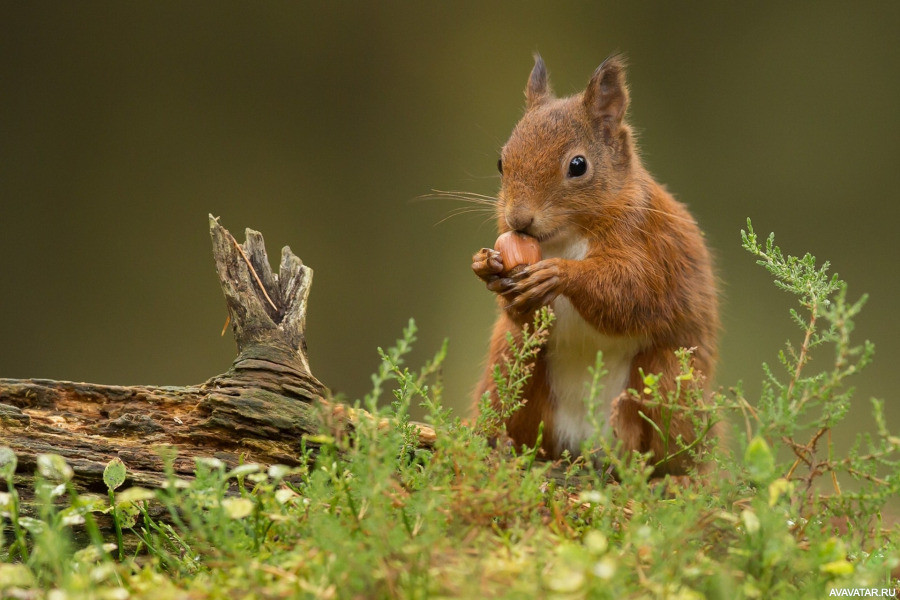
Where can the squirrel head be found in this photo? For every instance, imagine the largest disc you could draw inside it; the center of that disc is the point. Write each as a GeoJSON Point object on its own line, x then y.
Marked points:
{"type": "Point", "coordinates": [568, 159]}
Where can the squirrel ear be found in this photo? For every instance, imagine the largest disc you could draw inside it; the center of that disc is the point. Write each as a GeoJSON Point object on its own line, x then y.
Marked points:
{"type": "Point", "coordinates": [538, 88]}
{"type": "Point", "coordinates": [606, 96]}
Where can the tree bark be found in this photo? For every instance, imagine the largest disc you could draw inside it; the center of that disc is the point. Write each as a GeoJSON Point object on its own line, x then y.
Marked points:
{"type": "Point", "coordinates": [257, 411]}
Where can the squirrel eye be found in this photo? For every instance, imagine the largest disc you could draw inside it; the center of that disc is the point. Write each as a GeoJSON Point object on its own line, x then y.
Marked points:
{"type": "Point", "coordinates": [577, 166]}
{"type": "Point", "coordinates": [500, 165]}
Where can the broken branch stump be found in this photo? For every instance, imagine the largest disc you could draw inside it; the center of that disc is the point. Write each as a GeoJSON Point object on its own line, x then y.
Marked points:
{"type": "Point", "coordinates": [257, 411]}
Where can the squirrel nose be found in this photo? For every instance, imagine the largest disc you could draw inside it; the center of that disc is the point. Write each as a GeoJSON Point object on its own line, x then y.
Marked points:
{"type": "Point", "coordinates": [519, 221]}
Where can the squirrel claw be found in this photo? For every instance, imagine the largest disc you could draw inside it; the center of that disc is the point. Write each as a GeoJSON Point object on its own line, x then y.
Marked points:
{"type": "Point", "coordinates": [520, 274]}
{"type": "Point", "coordinates": [500, 285]}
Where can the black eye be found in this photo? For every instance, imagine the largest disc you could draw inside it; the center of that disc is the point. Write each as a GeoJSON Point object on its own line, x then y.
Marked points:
{"type": "Point", "coordinates": [577, 166]}
{"type": "Point", "coordinates": [500, 165]}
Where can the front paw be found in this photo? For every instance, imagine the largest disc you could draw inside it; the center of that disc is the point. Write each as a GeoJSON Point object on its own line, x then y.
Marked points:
{"type": "Point", "coordinates": [533, 287]}
{"type": "Point", "coordinates": [487, 264]}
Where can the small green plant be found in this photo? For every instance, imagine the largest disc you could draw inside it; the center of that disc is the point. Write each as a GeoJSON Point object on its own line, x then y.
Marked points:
{"type": "Point", "coordinates": [510, 377]}
{"type": "Point", "coordinates": [374, 513]}
{"type": "Point", "coordinates": [799, 409]}
{"type": "Point", "coordinates": [9, 504]}
{"type": "Point", "coordinates": [114, 477]}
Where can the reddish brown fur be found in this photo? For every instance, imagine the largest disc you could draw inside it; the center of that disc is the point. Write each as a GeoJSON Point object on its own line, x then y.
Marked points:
{"type": "Point", "coordinates": [647, 272]}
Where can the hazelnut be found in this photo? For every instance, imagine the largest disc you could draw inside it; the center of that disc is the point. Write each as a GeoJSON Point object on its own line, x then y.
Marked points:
{"type": "Point", "coordinates": [517, 249]}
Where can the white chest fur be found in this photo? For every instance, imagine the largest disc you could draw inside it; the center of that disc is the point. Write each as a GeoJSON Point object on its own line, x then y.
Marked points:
{"type": "Point", "coordinates": [571, 349]}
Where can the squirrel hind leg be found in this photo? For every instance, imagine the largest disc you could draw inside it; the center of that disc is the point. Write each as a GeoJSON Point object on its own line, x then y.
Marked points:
{"type": "Point", "coordinates": [630, 416]}
{"type": "Point", "coordinates": [627, 424]}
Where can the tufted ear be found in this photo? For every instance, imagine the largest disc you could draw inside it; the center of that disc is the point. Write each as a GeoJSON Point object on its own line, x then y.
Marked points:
{"type": "Point", "coordinates": [606, 96]}
{"type": "Point", "coordinates": [538, 89]}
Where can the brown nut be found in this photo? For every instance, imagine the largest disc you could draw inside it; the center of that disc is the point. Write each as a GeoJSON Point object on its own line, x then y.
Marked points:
{"type": "Point", "coordinates": [517, 249]}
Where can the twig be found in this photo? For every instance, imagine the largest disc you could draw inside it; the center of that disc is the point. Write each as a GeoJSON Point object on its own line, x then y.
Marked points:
{"type": "Point", "coordinates": [252, 271]}
{"type": "Point", "coordinates": [801, 362]}
{"type": "Point", "coordinates": [834, 481]}
{"type": "Point", "coordinates": [810, 449]}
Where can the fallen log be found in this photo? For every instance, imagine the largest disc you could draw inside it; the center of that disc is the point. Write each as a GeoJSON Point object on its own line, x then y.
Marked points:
{"type": "Point", "coordinates": [257, 411]}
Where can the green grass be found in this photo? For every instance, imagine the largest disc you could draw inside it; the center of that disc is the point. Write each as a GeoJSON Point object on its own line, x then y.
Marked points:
{"type": "Point", "coordinates": [374, 515]}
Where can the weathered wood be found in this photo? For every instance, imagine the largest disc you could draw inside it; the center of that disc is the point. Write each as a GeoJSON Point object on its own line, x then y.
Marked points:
{"type": "Point", "coordinates": [257, 411]}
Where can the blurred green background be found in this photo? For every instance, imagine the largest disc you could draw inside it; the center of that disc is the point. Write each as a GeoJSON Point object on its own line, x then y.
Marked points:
{"type": "Point", "coordinates": [123, 124]}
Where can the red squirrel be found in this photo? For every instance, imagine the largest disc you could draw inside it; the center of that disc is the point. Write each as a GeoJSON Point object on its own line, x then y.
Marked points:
{"type": "Point", "coordinates": [624, 268]}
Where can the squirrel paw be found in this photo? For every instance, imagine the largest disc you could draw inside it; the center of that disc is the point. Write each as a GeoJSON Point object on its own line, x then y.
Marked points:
{"type": "Point", "coordinates": [534, 287]}
{"type": "Point", "coordinates": [487, 264]}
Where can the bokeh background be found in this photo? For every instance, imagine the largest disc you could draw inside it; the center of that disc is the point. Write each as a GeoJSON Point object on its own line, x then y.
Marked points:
{"type": "Point", "coordinates": [123, 124]}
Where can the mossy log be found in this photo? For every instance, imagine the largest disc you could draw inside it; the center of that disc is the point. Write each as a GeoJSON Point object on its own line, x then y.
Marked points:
{"type": "Point", "coordinates": [257, 411]}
